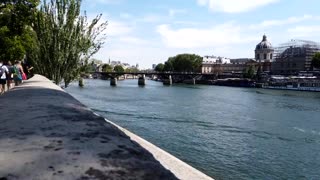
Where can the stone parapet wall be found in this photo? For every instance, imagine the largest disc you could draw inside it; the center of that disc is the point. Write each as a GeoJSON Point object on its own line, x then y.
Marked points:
{"type": "Point", "coordinates": [47, 134]}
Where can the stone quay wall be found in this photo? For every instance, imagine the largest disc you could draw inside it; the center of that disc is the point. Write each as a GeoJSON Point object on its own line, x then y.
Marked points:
{"type": "Point", "coordinates": [45, 133]}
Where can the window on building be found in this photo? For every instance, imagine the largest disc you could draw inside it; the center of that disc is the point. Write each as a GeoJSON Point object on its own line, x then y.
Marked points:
{"type": "Point", "coordinates": [258, 56]}
{"type": "Point", "coordinates": [265, 56]}
{"type": "Point", "coordinates": [271, 56]}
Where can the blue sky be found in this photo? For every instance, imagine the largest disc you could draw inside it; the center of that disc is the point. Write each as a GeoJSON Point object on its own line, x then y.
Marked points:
{"type": "Point", "coordinates": [149, 31]}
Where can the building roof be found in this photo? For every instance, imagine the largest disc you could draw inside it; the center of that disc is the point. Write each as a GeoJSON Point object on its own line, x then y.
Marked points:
{"type": "Point", "coordinates": [241, 60]}
{"type": "Point", "coordinates": [264, 44]}
{"type": "Point", "coordinates": [296, 48]}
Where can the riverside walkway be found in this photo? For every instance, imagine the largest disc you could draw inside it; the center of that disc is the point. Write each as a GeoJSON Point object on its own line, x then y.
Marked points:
{"type": "Point", "coordinates": [47, 134]}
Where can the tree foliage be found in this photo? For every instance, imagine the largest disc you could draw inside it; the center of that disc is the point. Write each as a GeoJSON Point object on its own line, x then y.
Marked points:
{"type": "Point", "coordinates": [16, 35]}
{"type": "Point", "coordinates": [159, 67]}
{"type": "Point", "coordinates": [249, 72]}
{"type": "Point", "coordinates": [168, 66]}
{"type": "Point", "coordinates": [107, 68]}
{"type": "Point", "coordinates": [132, 70]}
{"type": "Point", "coordinates": [66, 40]}
{"type": "Point", "coordinates": [184, 63]}
{"type": "Point", "coordinates": [16, 14]}
{"type": "Point", "coordinates": [118, 68]}
{"type": "Point", "coordinates": [316, 60]}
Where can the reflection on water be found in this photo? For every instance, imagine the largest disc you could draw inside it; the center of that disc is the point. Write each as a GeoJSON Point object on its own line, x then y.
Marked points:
{"type": "Point", "coordinates": [228, 133]}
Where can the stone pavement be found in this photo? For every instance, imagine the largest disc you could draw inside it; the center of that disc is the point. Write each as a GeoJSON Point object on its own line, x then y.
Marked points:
{"type": "Point", "coordinates": [47, 134]}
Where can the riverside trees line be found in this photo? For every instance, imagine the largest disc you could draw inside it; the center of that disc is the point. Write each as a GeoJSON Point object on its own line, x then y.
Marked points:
{"type": "Point", "coordinates": [193, 63]}
{"type": "Point", "coordinates": [56, 37]}
{"type": "Point", "coordinates": [181, 63]}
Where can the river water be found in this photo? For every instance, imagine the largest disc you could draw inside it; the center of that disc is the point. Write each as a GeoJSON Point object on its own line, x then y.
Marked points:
{"type": "Point", "coordinates": [227, 133]}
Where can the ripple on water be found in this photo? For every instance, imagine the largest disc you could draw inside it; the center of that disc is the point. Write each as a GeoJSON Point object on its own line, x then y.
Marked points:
{"type": "Point", "coordinates": [229, 133]}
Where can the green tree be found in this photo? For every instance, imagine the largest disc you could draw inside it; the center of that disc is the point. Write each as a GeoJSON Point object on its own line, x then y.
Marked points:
{"type": "Point", "coordinates": [118, 68]}
{"type": "Point", "coordinates": [17, 14]}
{"type": "Point", "coordinates": [159, 67]}
{"type": "Point", "coordinates": [66, 40]}
{"type": "Point", "coordinates": [168, 66]}
{"type": "Point", "coordinates": [259, 73]}
{"type": "Point", "coordinates": [184, 63]}
{"type": "Point", "coordinates": [316, 60]}
{"type": "Point", "coordinates": [11, 47]}
{"type": "Point", "coordinates": [132, 70]}
{"type": "Point", "coordinates": [106, 68]}
{"type": "Point", "coordinates": [249, 72]}
{"type": "Point", "coordinates": [17, 38]}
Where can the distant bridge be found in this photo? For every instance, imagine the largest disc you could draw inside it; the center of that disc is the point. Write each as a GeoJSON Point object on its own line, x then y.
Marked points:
{"type": "Point", "coordinates": [148, 73]}
{"type": "Point", "coordinates": [166, 77]}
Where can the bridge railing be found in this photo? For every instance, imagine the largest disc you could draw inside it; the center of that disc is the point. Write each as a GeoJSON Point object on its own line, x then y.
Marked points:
{"type": "Point", "coordinates": [149, 73]}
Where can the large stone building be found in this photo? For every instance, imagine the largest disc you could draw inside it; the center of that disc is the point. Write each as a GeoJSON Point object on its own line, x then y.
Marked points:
{"type": "Point", "coordinates": [290, 58]}
{"type": "Point", "coordinates": [264, 50]}
{"type": "Point", "coordinates": [234, 66]}
{"type": "Point", "coordinates": [264, 54]}
{"type": "Point", "coordinates": [294, 57]}
{"type": "Point", "coordinates": [212, 64]}
{"type": "Point", "coordinates": [238, 66]}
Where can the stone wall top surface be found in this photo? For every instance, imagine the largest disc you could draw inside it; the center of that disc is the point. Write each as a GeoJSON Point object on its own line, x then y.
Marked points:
{"type": "Point", "coordinates": [47, 134]}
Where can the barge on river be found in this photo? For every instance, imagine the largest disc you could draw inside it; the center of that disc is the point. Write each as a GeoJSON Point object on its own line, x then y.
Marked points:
{"type": "Point", "coordinates": [297, 83]}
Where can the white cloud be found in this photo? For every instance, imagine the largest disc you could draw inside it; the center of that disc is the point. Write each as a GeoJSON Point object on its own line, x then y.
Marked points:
{"type": "Point", "coordinates": [105, 1]}
{"type": "Point", "coordinates": [174, 12]}
{"type": "Point", "coordinates": [186, 23]}
{"type": "Point", "coordinates": [117, 28]}
{"type": "Point", "coordinates": [281, 22]}
{"type": "Point", "coordinates": [151, 18]}
{"type": "Point", "coordinates": [234, 6]}
{"type": "Point", "coordinates": [125, 15]}
{"type": "Point", "coordinates": [133, 40]}
{"type": "Point", "coordinates": [305, 31]}
{"type": "Point", "coordinates": [95, 3]}
{"type": "Point", "coordinates": [146, 18]}
{"type": "Point", "coordinates": [220, 35]}
{"type": "Point", "coordinates": [127, 42]}
{"type": "Point", "coordinates": [114, 27]}
{"type": "Point", "coordinates": [144, 55]}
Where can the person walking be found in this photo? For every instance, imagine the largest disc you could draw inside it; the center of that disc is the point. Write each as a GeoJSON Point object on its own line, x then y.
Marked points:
{"type": "Point", "coordinates": [18, 71]}
{"type": "Point", "coordinates": [9, 75]}
{"type": "Point", "coordinates": [3, 77]}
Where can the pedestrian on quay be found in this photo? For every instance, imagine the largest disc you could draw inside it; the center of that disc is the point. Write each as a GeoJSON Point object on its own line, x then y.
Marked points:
{"type": "Point", "coordinates": [3, 77]}
{"type": "Point", "coordinates": [10, 75]}
{"type": "Point", "coordinates": [27, 68]}
{"type": "Point", "coordinates": [18, 71]}
{"type": "Point", "coordinates": [30, 72]}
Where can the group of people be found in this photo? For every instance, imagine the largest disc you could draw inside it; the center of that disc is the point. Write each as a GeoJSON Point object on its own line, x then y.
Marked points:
{"type": "Point", "coordinates": [11, 75]}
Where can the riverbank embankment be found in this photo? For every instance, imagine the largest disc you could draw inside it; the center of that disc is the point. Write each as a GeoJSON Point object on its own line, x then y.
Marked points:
{"type": "Point", "coordinates": [47, 134]}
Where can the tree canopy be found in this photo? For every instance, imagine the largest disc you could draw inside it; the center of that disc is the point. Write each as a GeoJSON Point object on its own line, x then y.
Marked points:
{"type": "Point", "coordinates": [107, 68]}
{"type": "Point", "coordinates": [168, 66]}
{"type": "Point", "coordinates": [132, 70]}
{"type": "Point", "coordinates": [316, 60]}
{"type": "Point", "coordinates": [17, 14]}
{"type": "Point", "coordinates": [249, 72]}
{"type": "Point", "coordinates": [16, 34]}
{"type": "Point", "coordinates": [56, 38]}
{"type": "Point", "coordinates": [184, 63]}
{"type": "Point", "coordinates": [159, 67]}
{"type": "Point", "coordinates": [118, 68]}
{"type": "Point", "coordinates": [66, 40]}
